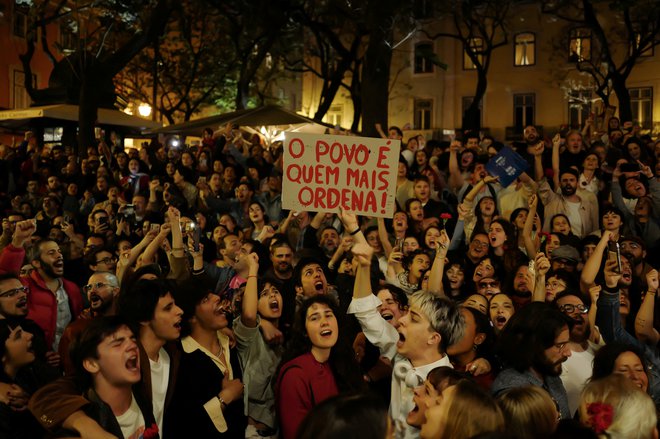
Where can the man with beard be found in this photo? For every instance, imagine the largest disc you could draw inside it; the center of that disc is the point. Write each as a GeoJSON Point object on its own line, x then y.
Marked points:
{"type": "Point", "coordinates": [102, 290]}
{"type": "Point", "coordinates": [521, 290]}
{"type": "Point", "coordinates": [533, 346]}
{"type": "Point", "coordinates": [53, 301]}
{"type": "Point", "coordinates": [281, 256]}
{"type": "Point", "coordinates": [634, 249]}
{"type": "Point", "coordinates": [576, 371]}
{"type": "Point", "coordinates": [581, 207]}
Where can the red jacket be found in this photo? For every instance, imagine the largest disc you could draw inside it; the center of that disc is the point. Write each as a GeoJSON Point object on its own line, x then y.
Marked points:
{"type": "Point", "coordinates": [42, 303]}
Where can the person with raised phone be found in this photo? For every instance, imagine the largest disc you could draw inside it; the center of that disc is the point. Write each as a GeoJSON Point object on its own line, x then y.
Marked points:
{"type": "Point", "coordinates": [417, 346]}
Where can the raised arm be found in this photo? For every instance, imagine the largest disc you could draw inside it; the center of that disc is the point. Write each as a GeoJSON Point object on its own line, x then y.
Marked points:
{"type": "Point", "coordinates": [177, 236]}
{"type": "Point", "coordinates": [365, 305]}
{"type": "Point", "coordinates": [542, 265]}
{"type": "Point", "coordinates": [644, 329]}
{"type": "Point", "coordinates": [537, 152]}
{"type": "Point", "coordinates": [556, 143]}
{"type": "Point", "coordinates": [149, 255]}
{"type": "Point", "coordinates": [592, 266]}
{"type": "Point", "coordinates": [129, 260]}
{"type": "Point", "coordinates": [530, 243]}
{"type": "Point", "coordinates": [379, 129]}
{"type": "Point", "coordinates": [251, 295]}
{"type": "Point", "coordinates": [438, 267]}
{"type": "Point", "coordinates": [455, 176]}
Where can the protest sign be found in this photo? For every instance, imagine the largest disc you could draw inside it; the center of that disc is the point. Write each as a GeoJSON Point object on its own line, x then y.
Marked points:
{"type": "Point", "coordinates": [323, 173]}
{"type": "Point", "coordinates": [507, 165]}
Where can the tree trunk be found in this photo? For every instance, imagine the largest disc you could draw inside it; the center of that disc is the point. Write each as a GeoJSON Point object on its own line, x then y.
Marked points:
{"type": "Point", "coordinates": [332, 85]}
{"type": "Point", "coordinates": [623, 96]}
{"type": "Point", "coordinates": [87, 113]}
{"type": "Point", "coordinates": [472, 117]}
{"type": "Point", "coordinates": [376, 66]}
{"type": "Point", "coordinates": [242, 94]}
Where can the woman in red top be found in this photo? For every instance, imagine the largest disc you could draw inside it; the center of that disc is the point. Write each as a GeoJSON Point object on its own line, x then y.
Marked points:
{"type": "Point", "coordinates": [316, 366]}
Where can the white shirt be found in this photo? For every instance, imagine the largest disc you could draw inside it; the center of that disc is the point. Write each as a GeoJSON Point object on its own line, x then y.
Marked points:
{"type": "Point", "coordinates": [575, 373]}
{"type": "Point", "coordinates": [385, 336]}
{"type": "Point", "coordinates": [131, 422]}
{"type": "Point", "coordinates": [160, 375]}
{"type": "Point", "coordinates": [574, 217]}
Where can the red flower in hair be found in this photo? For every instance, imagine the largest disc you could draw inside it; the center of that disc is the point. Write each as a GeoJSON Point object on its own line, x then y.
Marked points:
{"type": "Point", "coordinates": [151, 432]}
{"type": "Point", "coordinates": [600, 416]}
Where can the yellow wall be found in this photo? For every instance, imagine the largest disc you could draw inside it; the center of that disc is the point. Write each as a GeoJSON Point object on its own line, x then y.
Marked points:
{"type": "Point", "coordinates": [447, 88]}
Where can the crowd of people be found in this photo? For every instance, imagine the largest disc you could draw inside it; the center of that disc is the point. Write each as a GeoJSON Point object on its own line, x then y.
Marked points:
{"type": "Point", "coordinates": [165, 292]}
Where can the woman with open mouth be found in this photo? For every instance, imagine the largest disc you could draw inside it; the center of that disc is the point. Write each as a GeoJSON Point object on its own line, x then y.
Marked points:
{"type": "Point", "coordinates": [261, 309]}
{"type": "Point", "coordinates": [317, 365]}
{"type": "Point", "coordinates": [17, 357]}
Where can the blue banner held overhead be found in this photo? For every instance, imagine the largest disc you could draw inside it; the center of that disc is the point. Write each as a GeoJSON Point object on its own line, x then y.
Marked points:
{"type": "Point", "coordinates": [507, 165]}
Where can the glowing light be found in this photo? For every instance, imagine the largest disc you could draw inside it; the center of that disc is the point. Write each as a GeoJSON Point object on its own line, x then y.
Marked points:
{"type": "Point", "coordinates": [144, 109]}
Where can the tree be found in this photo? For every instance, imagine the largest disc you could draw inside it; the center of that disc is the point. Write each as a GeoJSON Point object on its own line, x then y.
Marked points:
{"type": "Point", "coordinates": [256, 31]}
{"type": "Point", "coordinates": [334, 44]}
{"type": "Point", "coordinates": [108, 34]}
{"type": "Point", "coordinates": [190, 66]}
{"type": "Point", "coordinates": [481, 26]}
{"type": "Point", "coordinates": [622, 33]}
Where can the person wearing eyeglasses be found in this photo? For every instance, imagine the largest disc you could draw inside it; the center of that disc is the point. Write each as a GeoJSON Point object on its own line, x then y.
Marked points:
{"type": "Point", "coordinates": [14, 310]}
{"type": "Point", "coordinates": [576, 370]}
{"type": "Point", "coordinates": [102, 291]}
{"type": "Point", "coordinates": [53, 301]}
{"type": "Point", "coordinates": [101, 260]}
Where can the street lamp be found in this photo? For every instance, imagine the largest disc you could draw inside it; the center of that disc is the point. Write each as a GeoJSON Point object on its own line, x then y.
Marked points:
{"type": "Point", "coordinates": [144, 109]}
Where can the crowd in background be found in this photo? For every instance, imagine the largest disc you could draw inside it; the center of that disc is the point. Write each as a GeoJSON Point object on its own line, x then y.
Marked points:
{"type": "Point", "coordinates": [165, 292]}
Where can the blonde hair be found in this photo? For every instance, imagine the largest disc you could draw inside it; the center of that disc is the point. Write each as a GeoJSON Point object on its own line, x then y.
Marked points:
{"type": "Point", "coordinates": [633, 411]}
{"type": "Point", "coordinates": [529, 412]}
{"type": "Point", "coordinates": [471, 412]}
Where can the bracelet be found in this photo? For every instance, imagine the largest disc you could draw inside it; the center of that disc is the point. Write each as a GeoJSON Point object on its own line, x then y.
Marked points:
{"type": "Point", "coordinates": [614, 290]}
{"type": "Point", "coordinates": [355, 232]}
{"type": "Point", "coordinates": [652, 292]}
{"type": "Point", "coordinates": [177, 248]}
{"type": "Point", "coordinates": [223, 404]}
{"type": "Point", "coordinates": [252, 275]}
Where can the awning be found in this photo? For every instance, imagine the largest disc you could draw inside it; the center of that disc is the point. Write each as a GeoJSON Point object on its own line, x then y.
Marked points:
{"type": "Point", "coordinates": [23, 117]}
{"type": "Point", "coordinates": [268, 115]}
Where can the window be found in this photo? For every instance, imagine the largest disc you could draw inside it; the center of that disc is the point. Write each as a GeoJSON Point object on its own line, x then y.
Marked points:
{"type": "Point", "coordinates": [476, 45]}
{"type": "Point", "coordinates": [423, 114]}
{"type": "Point", "coordinates": [523, 110]}
{"type": "Point", "coordinates": [333, 116]}
{"type": "Point", "coordinates": [641, 101]}
{"type": "Point", "coordinates": [20, 20]}
{"type": "Point", "coordinates": [466, 101]}
{"type": "Point", "coordinates": [423, 56]}
{"type": "Point", "coordinates": [579, 108]}
{"type": "Point", "coordinates": [67, 39]}
{"type": "Point", "coordinates": [647, 52]}
{"type": "Point", "coordinates": [579, 48]}
{"type": "Point", "coordinates": [21, 98]}
{"type": "Point", "coordinates": [524, 49]}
